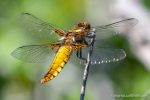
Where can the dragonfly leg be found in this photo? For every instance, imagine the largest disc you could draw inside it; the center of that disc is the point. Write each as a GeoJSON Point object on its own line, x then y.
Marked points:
{"type": "Point", "coordinates": [85, 42]}
{"type": "Point", "coordinates": [60, 32]}
{"type": "Point", "coordinates": [79, 54]}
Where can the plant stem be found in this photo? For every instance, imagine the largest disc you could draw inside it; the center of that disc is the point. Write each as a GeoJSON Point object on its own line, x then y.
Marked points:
{"type": "Point", "coordinates": [87, 67]}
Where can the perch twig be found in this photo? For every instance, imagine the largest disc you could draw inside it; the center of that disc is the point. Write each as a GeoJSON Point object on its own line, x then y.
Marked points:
{"type": "Point", "coordinates": [87, 66]}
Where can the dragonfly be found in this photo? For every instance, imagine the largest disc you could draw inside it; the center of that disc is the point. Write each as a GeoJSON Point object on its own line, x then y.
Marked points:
{"type": "Point", "coordinates": [70, 41]}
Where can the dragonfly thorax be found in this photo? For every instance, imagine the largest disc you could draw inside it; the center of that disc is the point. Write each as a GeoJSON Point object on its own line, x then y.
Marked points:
{"type": "Point", "coordinates": [68, 40]}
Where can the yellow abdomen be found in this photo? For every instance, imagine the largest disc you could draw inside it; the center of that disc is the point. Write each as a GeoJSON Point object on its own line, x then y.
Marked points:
{"type": "Point", "coordinates": [58, 63]}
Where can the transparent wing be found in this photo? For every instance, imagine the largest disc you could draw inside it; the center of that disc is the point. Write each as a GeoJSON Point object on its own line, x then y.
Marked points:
{"type": "Point", "coordinates": [106, 31]}
{"type": "Point", "coordinates": [104, 55]}
{"type": "Point", "coordinates": [37, 28]}
{"type": "Point", "coordinates": [32, 53]}
{"type": "Point", "coordinates": [107, 55]}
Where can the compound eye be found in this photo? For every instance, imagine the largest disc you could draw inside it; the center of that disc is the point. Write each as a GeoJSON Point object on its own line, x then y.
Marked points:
{"type": "Point", "coordinates": [88, 27]}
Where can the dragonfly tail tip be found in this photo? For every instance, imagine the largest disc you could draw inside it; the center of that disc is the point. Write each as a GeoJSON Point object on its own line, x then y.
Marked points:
{"type": "Point", "coordinates": [43, 81]}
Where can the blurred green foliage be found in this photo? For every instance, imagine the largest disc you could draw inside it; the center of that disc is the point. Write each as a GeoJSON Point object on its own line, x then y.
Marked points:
{"type": "Point", "coordinates": [146, 3]}
{"type": "Point", "coordinates": [20, 81]}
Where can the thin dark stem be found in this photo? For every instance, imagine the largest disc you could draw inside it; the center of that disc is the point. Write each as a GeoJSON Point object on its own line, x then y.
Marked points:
{"type": "Point", "coordinates": [87, 67]}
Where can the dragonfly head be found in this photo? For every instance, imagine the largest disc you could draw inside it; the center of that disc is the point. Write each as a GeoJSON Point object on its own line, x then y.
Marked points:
{"type": "Point", "coordinates": [83, 27]}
